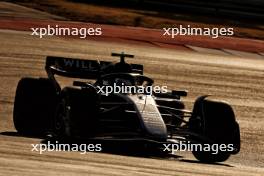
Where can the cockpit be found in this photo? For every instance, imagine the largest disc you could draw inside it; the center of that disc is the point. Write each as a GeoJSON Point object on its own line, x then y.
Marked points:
{"type": "Point", "coordinates": [125, 79]}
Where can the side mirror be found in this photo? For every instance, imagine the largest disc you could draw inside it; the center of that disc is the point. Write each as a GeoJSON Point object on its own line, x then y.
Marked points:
{"type": "Point", "coordinates": [181, 93]}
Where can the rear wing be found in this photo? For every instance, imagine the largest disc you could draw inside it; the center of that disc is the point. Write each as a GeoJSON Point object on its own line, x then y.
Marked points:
{"type": "Point", "coordinates": [81, 68]}
{"type": "Point", "coordinates": [74, 68]}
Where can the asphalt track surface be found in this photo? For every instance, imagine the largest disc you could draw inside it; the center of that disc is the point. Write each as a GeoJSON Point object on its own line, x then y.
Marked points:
{"type": "Point", "coordinates": [238, 80]}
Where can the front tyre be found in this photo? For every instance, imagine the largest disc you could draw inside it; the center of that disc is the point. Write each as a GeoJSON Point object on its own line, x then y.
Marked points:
{"type": "Point", "coordinates": [215, 122]}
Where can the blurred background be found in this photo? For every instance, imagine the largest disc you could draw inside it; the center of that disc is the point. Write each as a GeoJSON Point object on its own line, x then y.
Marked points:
{"type": "Point", "coordinates": [245, 16]}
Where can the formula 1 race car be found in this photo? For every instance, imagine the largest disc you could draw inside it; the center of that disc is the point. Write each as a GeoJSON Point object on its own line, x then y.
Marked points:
{"type": "Point", "coordinates": [88, 110]}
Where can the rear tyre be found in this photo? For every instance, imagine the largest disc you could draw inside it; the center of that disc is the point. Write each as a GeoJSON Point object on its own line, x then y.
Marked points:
{"type": "Point", "coordinates": [216, 122]}
{"type": "Point", "coordinates": [34, 106]}
{"type": "Point", "coordinates": [76, 114]}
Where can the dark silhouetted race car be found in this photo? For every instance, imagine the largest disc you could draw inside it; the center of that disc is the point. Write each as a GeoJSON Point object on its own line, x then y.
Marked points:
{"type": "Point", "coordinates": [94, 110]}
